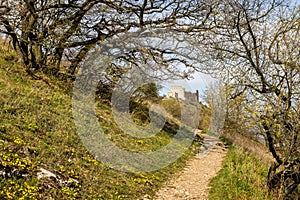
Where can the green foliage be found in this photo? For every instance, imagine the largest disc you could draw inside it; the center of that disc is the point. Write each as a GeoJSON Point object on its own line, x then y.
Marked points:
{"type": "Point", "coordinates": [139, 112]}
{"type": "Point", "coordinates": [225, 140]}
{"type": "Point", "coordinates": [172, 106]}
{"type": "Point", "coordinates": [205, 115]}
{"type": "Point", "coordinates": [148, 90]}
{"type": "Point", "coordinates": [243, 177]}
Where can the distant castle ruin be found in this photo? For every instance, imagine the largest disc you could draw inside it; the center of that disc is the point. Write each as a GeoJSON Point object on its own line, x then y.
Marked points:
{"type": "Point", "coordinates": [179, 92]}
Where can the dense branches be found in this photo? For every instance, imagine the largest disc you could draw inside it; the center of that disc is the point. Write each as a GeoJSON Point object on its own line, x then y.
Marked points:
{"type": "Point", "coordinates": [253, 44]}
{"type": "Point", "coordinates": [257, 42]}
{"type": "Point", "coordinates": [57, 35]}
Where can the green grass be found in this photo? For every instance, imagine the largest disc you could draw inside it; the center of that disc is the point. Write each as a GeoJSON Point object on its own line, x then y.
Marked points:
{"type": "Point", "coordinates": [37, 130]}
{"type": "Point", "coordinates": [242, 177]}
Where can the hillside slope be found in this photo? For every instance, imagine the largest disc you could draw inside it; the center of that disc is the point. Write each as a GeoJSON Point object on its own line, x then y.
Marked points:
{"type": "Point", "coordinates": [41, 155]}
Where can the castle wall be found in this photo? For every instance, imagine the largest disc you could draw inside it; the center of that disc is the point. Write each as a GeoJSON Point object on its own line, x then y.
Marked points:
{"type": "Point", "coordinates": [179, 92]}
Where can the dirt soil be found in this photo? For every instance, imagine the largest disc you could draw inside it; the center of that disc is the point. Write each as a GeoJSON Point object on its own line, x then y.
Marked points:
{"type": "Point", "coordinates": [193, 181]}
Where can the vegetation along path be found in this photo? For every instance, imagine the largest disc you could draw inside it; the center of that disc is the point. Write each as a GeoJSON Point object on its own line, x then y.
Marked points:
{"type": "Point", "coordinates": [193, 182]}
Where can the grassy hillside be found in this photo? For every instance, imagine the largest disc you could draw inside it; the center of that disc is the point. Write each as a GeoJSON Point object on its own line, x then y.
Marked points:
{"type": "Point", "coordinates": [37, 131]}
{"type": "Point", "coordinates": [243, 177]}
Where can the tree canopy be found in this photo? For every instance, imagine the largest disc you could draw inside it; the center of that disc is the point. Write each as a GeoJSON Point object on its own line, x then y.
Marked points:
{"type": "Point", "coordinates": [56, 36]}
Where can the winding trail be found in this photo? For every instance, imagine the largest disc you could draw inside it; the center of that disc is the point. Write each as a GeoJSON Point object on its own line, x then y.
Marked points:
{"type": "Point", "coordinates": [193, 181]}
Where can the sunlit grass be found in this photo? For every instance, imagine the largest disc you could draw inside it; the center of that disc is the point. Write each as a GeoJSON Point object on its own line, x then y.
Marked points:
{"type": "Point", "coordinates": [37, 130]}
{"type": "Point", "coordinates": [243, 176]}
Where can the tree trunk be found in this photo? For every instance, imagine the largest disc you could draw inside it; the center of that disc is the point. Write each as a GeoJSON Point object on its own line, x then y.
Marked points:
{"type": "Point", "coordinates": [79, 57]}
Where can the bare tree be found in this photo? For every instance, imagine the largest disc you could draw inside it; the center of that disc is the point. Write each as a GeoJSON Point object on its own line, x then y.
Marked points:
{"type": "Point", "coordinates": [257, 44]}
{"type": "Point", "coordinates": [56, 36]}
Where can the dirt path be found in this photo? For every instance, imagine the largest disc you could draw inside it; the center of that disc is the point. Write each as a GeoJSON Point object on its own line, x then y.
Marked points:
{"type": "Point", "coordinates": [193, 182]}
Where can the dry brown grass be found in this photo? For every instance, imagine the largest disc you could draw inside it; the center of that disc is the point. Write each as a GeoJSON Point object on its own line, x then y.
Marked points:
{"type": "Point", "coordinates": [254, 147]}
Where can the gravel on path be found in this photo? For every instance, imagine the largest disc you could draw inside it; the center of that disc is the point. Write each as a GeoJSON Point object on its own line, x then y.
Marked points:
{"type": "Point", "coordinates": [193, 181]}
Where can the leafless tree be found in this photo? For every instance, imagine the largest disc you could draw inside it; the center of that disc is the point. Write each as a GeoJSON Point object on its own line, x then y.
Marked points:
{"type": "Point", "coordinates": [256, 44]}
{"type": "Point", "coordinates": [56, 36]}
